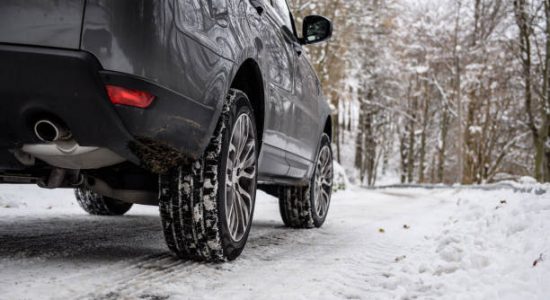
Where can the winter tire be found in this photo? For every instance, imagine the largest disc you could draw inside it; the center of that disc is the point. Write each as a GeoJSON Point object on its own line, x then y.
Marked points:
{"type": "Point", "coordinates": [307, 206]}
{"type": "Point", "coordinates": [206, 207]}
{"type": "Point", "coordinates": [96, 204]}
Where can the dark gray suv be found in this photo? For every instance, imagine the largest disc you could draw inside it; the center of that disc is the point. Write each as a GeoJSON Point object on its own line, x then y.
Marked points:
{"type": "Point", "coordinates": [186, 104]}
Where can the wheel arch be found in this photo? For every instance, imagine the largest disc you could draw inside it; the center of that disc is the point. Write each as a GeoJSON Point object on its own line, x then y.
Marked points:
{"type": "Point", "coordinates": [249, 80]}
{"type": "Point", "coordinates": [328, 127]}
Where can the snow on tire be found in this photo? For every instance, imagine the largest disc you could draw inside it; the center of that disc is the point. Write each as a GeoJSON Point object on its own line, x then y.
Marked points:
{"type": "Point", "coordinates": [96, 204]}
{"type": "Point", "coordinates": [194, 198]}
{"type": "Point", "coordinates": [307, 206]}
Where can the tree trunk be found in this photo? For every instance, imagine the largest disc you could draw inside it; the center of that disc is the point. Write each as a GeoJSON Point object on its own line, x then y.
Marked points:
{"type": "Point", "coordinates": [458, 96]}
{"type": "Point", "coordinates": [359, 138]}
{"type": "Point", "coordinates": [370, 141]}
{"type": "Point", "coordinates": [469, 144]}
{"type": "Point", "coordinates": [412, 137]}
{"type": "Point", "coordinates": [539, 159]}
{"type": "Point", "coordinates": [525, 29]}
{"type": "Point", "coordinates": [425, 121]}
{"type": "Point", "coordinates": [432, 170]}
{"type": "Point", "coordinates": [370, 148]}
{"type": "Point", "coordinates": [545, 129]}
{"type": "Point", "coordinates": [441, 154]}
{"type": "Point", "coordinates": [349, 117]}
{"type": "Point", "coordinates": [547, 156]}
{"type": "Point", "coordinates": [403, 155]}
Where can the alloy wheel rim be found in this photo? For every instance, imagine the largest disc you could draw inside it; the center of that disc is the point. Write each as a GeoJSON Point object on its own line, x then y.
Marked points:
{"type": "Point", "coordinates": [323, 182]}
{"type": "Point", "coordinates": [240, 177]}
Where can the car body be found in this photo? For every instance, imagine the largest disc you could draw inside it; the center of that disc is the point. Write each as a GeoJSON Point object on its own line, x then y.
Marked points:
{"type": "Point", "coordinates": [185, 53]}
{"type": "Point", "coordinates": [58, 57]}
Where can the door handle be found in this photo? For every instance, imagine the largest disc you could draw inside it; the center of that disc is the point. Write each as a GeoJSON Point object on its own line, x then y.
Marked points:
{"type": "Point", "coordinates": [257, 4]}
{"type": "Point", "coordinates": [297, 47]}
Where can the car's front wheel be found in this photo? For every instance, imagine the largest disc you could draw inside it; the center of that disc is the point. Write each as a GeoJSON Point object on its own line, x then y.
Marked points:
{"type": "Point", "coordinates": [207, 206]}
{"type": "Point", "coordinates": [307, 206]}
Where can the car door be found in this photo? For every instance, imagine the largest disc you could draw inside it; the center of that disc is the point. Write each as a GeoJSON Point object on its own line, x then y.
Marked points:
{"type": "Point", "coordinates": [279, 66]}
{"type": "Point", "coordinates": [305, 121]}
{"type": "Point", "coordinates": [302, 120]}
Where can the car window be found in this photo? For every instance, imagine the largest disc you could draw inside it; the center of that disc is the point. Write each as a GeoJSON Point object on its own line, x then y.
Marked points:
{"type": "Point", "coordinates": [281, 6]}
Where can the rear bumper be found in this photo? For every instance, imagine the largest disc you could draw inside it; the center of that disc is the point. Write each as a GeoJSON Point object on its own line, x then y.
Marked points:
{"type": "Point", "coordinates": [70, 86]}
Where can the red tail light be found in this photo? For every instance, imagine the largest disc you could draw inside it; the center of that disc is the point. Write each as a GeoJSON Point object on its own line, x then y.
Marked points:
{"type": "Point", "coordinates": [130, 97]}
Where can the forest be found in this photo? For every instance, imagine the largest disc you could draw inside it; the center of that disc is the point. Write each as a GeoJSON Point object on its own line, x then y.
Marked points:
{"type": "Point", "coordinates": [437, 91]}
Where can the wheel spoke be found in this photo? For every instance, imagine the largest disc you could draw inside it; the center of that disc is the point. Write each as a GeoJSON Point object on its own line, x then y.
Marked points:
{"type": "Point", "coordinates": [228, 182]}
{"type": "Point", "coordinates": [249, 158]}
{"type": "Point", "coordinates": [241, 172]}
{"type": "Point", "coordinates": [230, 203]}
{"type": "Point", "coordinates": [244, 194]}
{"type": "Point", "coordinates": [233, 149]}
{"type": "Point", "coordinates": [231, 155]}
{"type": "Point", "coordinates": [326, 182]}
{"type": "Point", "coordinates": [244, 155]}
{"type": "Point", "coordinates": [321, 206]}
{"type": "Point", "coordinates": [240, 212]}
{"type": "Point", "coordinates": [323, 181]}
{"type": "Point", "coordinates": [246, 203]}
{"type": "Point", "coordinates": [324, 196]}
{"type": "Point", "coordinates": [231, 210]}
{"type": "Point", "coordinates": [242, 138]}
{"type": "Point", "coordinates": [249, 175]}
{"type": "Point", "coordinates": [317, 202]}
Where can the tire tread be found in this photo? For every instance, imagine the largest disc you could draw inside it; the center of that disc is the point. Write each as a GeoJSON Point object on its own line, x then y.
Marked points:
{"type": "Point", "coordinates": [188, 201]}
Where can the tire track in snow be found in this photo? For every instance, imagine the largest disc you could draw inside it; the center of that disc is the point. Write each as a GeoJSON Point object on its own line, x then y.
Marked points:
{"type": "Point", "coordinates": [140, 278]}
{"type": "Point", "coordinates": [135, 280]}
{"type": "Point", "coordinates": [269, 247]}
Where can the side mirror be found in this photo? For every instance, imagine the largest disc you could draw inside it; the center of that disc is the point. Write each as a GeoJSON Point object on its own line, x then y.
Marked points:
{"type": "Point", "coordinates": [316, 29]}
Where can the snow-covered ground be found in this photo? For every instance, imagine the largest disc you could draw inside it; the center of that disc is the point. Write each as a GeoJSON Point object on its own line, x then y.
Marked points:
{"type": "Point", "coordinates": [394, 243]}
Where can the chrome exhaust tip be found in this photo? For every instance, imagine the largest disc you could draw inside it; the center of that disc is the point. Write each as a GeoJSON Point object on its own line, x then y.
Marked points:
{"type": "Point", "coordinates": [49, 131]}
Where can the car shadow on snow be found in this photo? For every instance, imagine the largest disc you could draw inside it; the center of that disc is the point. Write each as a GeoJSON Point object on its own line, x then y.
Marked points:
{"type": "Point", "coordinates": [81, 238]}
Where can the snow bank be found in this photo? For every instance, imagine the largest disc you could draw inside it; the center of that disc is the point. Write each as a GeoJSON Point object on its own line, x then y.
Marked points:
{"type": "Point", "coordinates": [489, 247]}
{"type": "Point", "coordinates": [341, 181]}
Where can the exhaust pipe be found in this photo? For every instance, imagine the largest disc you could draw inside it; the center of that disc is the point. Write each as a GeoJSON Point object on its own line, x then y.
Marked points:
{"type": "Point", "coordinates": [49, 131]}
{"type": "Point", "coordinates": [59, 149]}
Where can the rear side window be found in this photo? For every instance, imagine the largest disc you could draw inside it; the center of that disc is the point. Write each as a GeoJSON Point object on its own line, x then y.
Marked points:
{"type": "Point", "coordinates": [281, 6]}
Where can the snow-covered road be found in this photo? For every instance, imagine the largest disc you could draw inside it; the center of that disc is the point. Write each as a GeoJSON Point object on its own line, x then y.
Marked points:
{"type": "Point", "coordinates": [376, 244]}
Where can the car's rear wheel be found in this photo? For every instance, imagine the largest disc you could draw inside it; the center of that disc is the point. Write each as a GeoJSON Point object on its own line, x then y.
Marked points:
{"type": "Point", "coordinates": [307, 206]}
{"type": "Point", "coordinates": [207, 206]}
{"type": "Point", "coordinates": [96, 204]}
